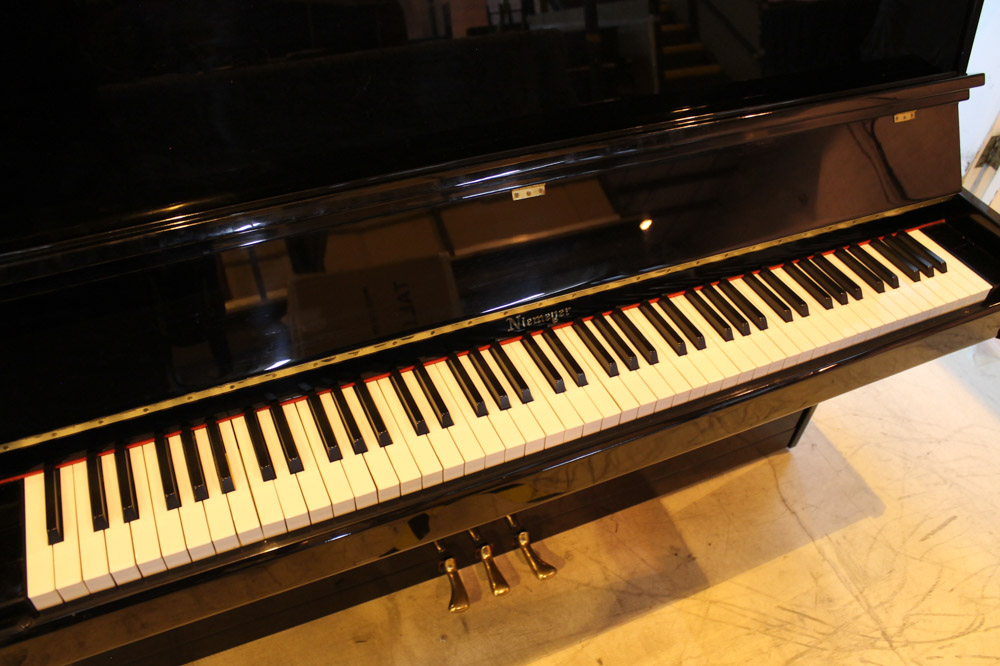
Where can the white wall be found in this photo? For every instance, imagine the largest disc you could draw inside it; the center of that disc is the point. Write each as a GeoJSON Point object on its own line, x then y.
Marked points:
{"type": "Point", "coordinates": [976, 115]}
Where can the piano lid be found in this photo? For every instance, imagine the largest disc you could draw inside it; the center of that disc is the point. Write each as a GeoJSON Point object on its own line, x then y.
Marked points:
{"type": "Point", "coordinates": [130, 112]}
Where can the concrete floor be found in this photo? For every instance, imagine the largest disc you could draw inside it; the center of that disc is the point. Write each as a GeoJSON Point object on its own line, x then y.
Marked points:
{"type": "Point", "coordinates": [875, 541]}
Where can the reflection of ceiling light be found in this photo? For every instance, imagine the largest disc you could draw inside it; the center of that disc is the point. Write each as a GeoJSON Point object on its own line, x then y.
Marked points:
{"type": "Point", "coordinates": [278, 364]}
{"type": "Point", "coordinates": [646, 224]}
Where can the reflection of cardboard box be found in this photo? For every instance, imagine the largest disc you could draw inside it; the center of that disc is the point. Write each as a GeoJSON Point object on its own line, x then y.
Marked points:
{"type": "Point", "coordinates": [328, 312]}
{"type": "Point", "coordinates": [386, 241]}
{"type": "Point", "coordinates": [498, 222]}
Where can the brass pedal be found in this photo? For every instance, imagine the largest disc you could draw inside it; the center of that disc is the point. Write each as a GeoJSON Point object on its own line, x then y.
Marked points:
{"type": "Point", "coordinates": [498, 584]}
{"type": "Point", "coordinates": [459, 597]}
{"type": "Point", "coordinates": [542, 569]}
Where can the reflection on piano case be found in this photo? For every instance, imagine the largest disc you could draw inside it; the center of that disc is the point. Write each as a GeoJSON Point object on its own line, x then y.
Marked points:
{"type": "Point", "coordinates": [251, 364]}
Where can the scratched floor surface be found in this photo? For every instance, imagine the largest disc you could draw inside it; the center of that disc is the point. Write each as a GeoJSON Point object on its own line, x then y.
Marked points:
{"type": "Point", "coordinates": [877, 541]}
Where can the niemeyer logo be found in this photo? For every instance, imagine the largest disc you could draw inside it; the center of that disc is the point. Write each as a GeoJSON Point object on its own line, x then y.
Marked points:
{"type": "Point", "coordinates": [521, 322]}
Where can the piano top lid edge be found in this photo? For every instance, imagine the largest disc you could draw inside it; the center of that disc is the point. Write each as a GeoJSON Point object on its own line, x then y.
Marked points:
{"type": "Point", "coordinates": [183, 229]}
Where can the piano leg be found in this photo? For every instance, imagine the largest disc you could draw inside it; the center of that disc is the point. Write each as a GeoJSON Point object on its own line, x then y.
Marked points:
{"type": "Point", "coordinates": [804, 416]}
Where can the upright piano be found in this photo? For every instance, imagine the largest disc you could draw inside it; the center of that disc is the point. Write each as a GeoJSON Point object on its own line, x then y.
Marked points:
{"type": "Point", "coordinates": [292, 290]}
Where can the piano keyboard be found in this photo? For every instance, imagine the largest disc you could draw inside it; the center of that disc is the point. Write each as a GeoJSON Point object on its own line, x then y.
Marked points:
{"type": "Point", "coordinates": [138, 510]}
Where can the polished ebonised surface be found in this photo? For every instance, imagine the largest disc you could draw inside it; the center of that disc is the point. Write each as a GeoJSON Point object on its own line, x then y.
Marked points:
{"type": "Point", "coordinates": [125, 112]}
{"type": "Point", "coordinates": [206, 196]}
{"type": "Point", "coordinates": [161, 313]}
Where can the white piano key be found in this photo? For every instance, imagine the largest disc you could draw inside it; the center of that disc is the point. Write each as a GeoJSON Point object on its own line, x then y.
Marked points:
{"type": "Point", "coordinates": [811, 328]}
{"type": "Point", "coordinates": [217, 514]}
{"type": "Point", "coordinates": [452, 462]}
{"type": "Point", "coordinates": [792, 345]}
{"type": "Point", "coordinates": [732, 349]}
{"type": "Point", "coordinates": [678, 370]}
{"type": "Point", "coordinates": [592, 417]}
{"type": "Point", "coordinates": [169, 532]}
{"type": "Point", "coordinates": [511, 438]}
{"type": "Point", "coordinates": [118, 536]}
{"type": "Point", "coordinates": [540, 409]}
{"type": "Point", "coordinates": [658, 386]}
{"type": "Point", "coordinates": [476, 458]}
{"type": "Point", "coordinates": [713, 351]}
{"type": "Point", "coordinates": [975, 287]}
{"type": "Point", "coordinates": [93, 551]}
{"type": "Point", "coordinates": [241, 505]}
{"type": "Point", "coordinates": [192, 513]}
{"type": "Point", "coordinates": [607, 410]}
{"type": "Point", "coordinates": [869, 307]}
{"type": "Point", "coordinates": [145, 542]}
{"type": "Point", "coordinates": [571, 423]}
{"type": "Point", "coordinates": [310, 482]}
{"type": "Point", "coordinates": [386, 481]}
{"type": "Point", "coordinates": [39, 561]}
{"type": "Point", "coordinates": [403, 463]}
{"type": "Point", "coordinates": [420, 447]}
{"type": "Point", "coordinates": [520, 415]}
{"type": "Point", "coordinates": [334, 477]}
{"type": "Point", "coordinates": [628, 406]}
{"type": "Point", "coordinates": [632, 379]}
{"type": "Point", "coordinates": [66, 553]}
{"type": "Point", "coordinates": [355, 468]}
{"type": "Point", "coordinates": [695, 363]}
{"type": "Point", "coordinates": [293, 507]}
{"type": "Point", "coordinates": [265, 496]}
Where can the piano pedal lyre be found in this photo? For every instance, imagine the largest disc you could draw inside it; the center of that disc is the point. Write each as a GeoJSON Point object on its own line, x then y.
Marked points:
{"type": "Point", "coordinates": [498, 584]}
{"type": "Point", "coordinates": [539, 567]}
{"type": "Point", "coordinates": [459, 597]}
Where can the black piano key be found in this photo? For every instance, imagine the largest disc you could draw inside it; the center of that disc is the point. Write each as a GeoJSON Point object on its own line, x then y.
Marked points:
{"type": "Point", "coordinates": [904, 251]}
{"type": "Point", "coordinates": [218, 448]}
{"type": "Point", "coordinates": [796, 302]}
{"type": "Point", "coordinates": [666, 331]}
{"type": "Point", "coordinates": [168, 478]}
{"type": "Point", "coordinates": [193, 462]}
{"type": "Point", "coordinates": [680, 320]}
{"type": "Point", "coordinates": [285, 439]}
{"type": "Point", "coordinates": [95, 484]}
{"type": "Point", "coordinates": [543, 363]}
{"type": "Point", "coordinates": [604, 358]}
{"type": "Point", "coordinates": [810, 287]}
{"type": "Point", "coordinates": [409, 404]}
{"type": "Point", "coordinates": [53, 504]}
{"type": "Point", "coordinates": [433, 397]}
{"type": "Point", "coordinates": [356, 441]}
{"type": "Point", "coordinates": [259, 447]}
{"type": "Point", "coordinates": [838, 276]}
{"type": "Point", "coordinates": [635, 336]}
{"type": "Point", "coordinates": [371, 412]}
{"type": "Point", "coordinates": [713, 318]}
{"type": "Point", "coordinates": [489, 379]}
{"type": "Point", "coordinates": [823, 281]}
{"type": "Point", "coordinates": [510, 372]}
{"type": "Point", "coordinates": [874, 265]}
{"type": "Point", "coordinates": [899, 261]}
{"type": "Point", "coordinates": [919, 248]}
{"type": "Point", "coordinates": [465, 383]}
{"type": "Point", "coordinates": [726, 309]}
{"type": "Point", "coordinates": [333, 452]}
{"type": "Point", "coordinates": [618, 346]}
{"type": "Point", "coordinates": [567, 360]}
{"type": "Point", "coordinates": [748, 309]}
{"type": "Point", "coordinates": [126, 484]}
{"type": "Point", "coordinates": [773, 301]}
{"type": "Point", "coordinates": [859, 269]}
